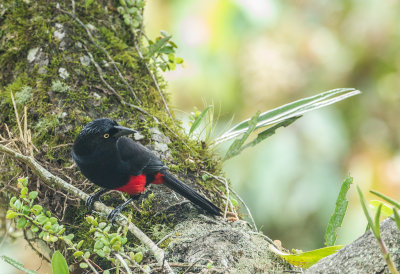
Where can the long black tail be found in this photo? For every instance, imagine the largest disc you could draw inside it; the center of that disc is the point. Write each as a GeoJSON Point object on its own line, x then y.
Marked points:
{"type": "Point", "coordinates": [184, 190]}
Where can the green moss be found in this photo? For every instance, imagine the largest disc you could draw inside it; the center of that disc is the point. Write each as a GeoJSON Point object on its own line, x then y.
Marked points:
{"type": "Point", "coordinates": [83, 96]}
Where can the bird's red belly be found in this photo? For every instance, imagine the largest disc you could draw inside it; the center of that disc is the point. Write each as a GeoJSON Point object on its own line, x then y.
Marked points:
{"type": "Point", "coordinates": [137, 184]}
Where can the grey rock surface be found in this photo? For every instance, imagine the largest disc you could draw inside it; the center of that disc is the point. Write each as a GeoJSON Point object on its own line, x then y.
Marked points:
{"type": "Point", "coordinates": [363, 255]}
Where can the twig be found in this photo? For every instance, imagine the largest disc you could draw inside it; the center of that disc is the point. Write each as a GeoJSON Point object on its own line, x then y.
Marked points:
{"type": "Point", "coordinates": [136, 264]}
{"type": "Point", "coordinates": [195, 262]}
{"type": "Point", "coordinates": [154, 80]}
{"type": "Point", "coordinates": [266, 237]}
{"type": "Point", "coordinates": [119, 257]}
{"type": "Point", "coordinates": [147, 65]}
{"type": "Point", "coordinates": [21, 135]}
{"type": "Point", "coordinates": [225, 182]}
{"type": "Point", "coordinates": [100, 72]}
{"type": "Point", "coordinates": [50, 179]}
{"type": "Point", "coordinates": [248, 210]}
{"type": "Point", "coordinates": [103, 50]}
{"type": "Point", "coordinates": [164, 238]}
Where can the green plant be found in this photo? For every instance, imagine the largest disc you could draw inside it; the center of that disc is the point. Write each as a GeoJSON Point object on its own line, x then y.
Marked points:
{"type": "Point", "coordinates": [340, 210]}
{"type": "Point", "coordinates": [278, 117]}
{"type": "Point", "coordinates": [374, 225]}
{"type": "Point", "coordinates": [162, 52]}
{"type": "Point", "coordinates": [106, 244]}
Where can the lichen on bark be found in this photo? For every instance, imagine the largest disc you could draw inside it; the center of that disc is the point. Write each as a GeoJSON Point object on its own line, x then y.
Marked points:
{"type": "Point", "coordinates": [68, 64]}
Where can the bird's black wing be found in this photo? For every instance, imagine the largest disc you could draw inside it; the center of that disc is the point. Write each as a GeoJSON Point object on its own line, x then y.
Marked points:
{"type": "Point", "coordinates": [140, 159]}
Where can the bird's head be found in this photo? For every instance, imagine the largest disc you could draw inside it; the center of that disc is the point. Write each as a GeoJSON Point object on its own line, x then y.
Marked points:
{"type": "Point", "coordinates": [99, 134]}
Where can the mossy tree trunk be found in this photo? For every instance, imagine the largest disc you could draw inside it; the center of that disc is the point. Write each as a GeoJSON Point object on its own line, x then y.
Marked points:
{"type": "Point", "coordinates": [63, 64]}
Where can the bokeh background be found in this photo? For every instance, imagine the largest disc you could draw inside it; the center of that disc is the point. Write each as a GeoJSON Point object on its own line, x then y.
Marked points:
{"type": "Point", "coordinates": [244, 56]}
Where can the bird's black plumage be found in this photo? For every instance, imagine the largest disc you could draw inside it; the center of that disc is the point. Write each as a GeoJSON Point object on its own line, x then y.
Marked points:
{"type": "Point", "coordinates": [114, 162]}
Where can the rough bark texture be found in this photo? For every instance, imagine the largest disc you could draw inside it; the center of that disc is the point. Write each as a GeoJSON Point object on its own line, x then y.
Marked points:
{"type": "Point", "coordinates": [67, 64]}
{"type": "Point", "coordinates": [363, 255]}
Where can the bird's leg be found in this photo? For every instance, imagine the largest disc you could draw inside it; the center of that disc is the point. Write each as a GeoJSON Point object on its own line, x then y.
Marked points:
{"type": "Point", "coordinates": [95, 197]}
{"type": "Point", "coordinates": [113, 214]}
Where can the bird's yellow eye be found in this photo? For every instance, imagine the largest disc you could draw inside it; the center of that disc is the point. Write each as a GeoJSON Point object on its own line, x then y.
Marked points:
{"type": "Point", "coordinates": [106, 135]}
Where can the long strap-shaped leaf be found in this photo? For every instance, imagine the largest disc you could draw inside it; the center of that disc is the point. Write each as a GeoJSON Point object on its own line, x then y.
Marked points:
{"type": "Point", "coordinates": [290, 110]}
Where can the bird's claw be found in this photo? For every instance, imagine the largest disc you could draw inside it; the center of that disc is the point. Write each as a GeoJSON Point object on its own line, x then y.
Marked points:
{"type": "Point", "coordinates": [112, 216]}
{"type": "Point", "coordinates": [89, 203]}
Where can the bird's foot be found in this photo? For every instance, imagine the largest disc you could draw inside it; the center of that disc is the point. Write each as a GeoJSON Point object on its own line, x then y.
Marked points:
{"type": "Point", "coordinates": [90, 201]}
{"type": "Point", "coordinates": [95, 197]}
{"type": "Point", "coordinates": [114, 213]}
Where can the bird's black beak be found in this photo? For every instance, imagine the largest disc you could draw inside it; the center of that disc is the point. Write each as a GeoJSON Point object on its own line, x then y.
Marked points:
{"type": "Point", "coordinates": [123, 131]}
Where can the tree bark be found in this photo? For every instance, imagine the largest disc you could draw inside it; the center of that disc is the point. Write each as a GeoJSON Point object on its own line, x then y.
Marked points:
{"type": "Point", "coordinates": [63, 64]}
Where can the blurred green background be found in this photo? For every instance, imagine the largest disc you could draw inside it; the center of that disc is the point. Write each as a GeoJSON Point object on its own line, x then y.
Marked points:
{"type": "Point", "coordinates": [244, 56]}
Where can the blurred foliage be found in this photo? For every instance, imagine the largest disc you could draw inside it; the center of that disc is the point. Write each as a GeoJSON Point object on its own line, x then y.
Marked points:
{"type": "Point", "coordinates": [248, 56]}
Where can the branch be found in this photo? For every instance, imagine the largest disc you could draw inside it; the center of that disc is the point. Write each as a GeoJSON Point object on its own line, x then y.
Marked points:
{"type": "Point", "coordinates": [51, 179]}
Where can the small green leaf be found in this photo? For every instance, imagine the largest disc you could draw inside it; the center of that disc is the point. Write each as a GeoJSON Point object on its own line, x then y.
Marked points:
{"type": "Point", "coordinates": [59, 264]}
{"type": "Point", "coordinates": [53, 238]}
{"type": "Point", "coordinates": [178, 60]}
{"type": "Point", "coordinates": [236, 146]}
{"type": "Point", "coordinates": [138, 257]}
{"type": "Point", "coordinates": [267, 133]}
{"type": "Point", "coordinates": [23, 181]}
{"type": "Point", "coordinates": [79, 244]}
{"type": "Point", "coordinates": [70, 236]}
{"type": "Point", "coordinates": [83, 265]}
{"type": "Point", "coordinates": [53, 220]}
{"type": "Point", "coordinates": [386, 198]}
{"type": "Point", "coordinates": [171, 57]}
{"type": "Point", "coordinates": [34, 228]}
{"type": "Point", "coordinates": [338, 215]}
{"type": "Point", "coordinates": [107, 249]}
{"type": "Point", "coordinates": [24, 191]}
{"type": "Point", "coordinates": [36, 209]}
{"type": "Point", "coordinates": [196, 122]}
{"type": "Point", "coordinates": [77, 254]}
{"type": "Point", "coordinates": [117, 247]}
{"type": "Point", "coordinates": [18, 204]}
{"type": "Point", "coordinates": [386, 210]}
{"type": "Point", "coordinates": [158, 45]}
{"type": "Point", "coordinates": [33, 195]}
{"type": "Point", "coordinates": [17, 265]}
{"type": "Point", "coordinates": [41, 219]}
{"type": "Point", "coordinates": [12, 201]}
{"type": "Point", "coordinates": [234, 202]}
{"type": "Point", "coordinates": [21, 222]}
{"type": "Point", "coordinates": [98, 245]}
{"type": "Point", "coordinates": [307, 259]}
{"type": "Point", "coordinates": [101, 253]}
{"type": "Point", "coordinates": [11, 214]}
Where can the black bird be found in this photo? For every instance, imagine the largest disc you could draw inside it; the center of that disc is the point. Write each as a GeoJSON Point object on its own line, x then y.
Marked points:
{"type": "Point", "coordinates": [114, 162]}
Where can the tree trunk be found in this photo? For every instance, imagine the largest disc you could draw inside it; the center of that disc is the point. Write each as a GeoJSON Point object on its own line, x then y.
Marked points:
{"type": "Point", "coordinates": [63, 64]}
